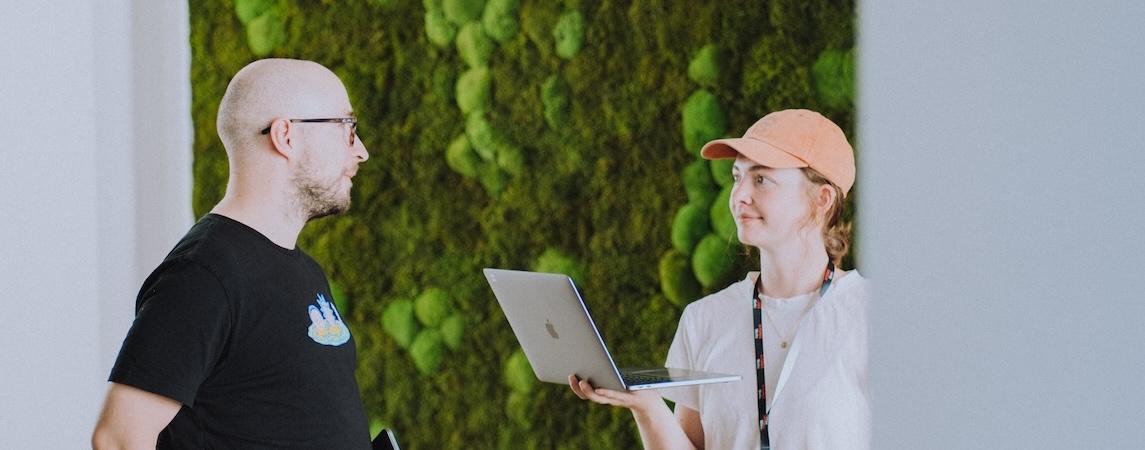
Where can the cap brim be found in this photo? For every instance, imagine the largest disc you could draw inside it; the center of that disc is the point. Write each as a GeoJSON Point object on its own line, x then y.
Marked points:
{"type": "Point", "coordinates": [758, 151]}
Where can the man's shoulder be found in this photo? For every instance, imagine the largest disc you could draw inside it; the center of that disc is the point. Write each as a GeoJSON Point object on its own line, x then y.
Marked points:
{"type": "Point", "coordinates": [212, 233]}
{"type": "Point", "coordinates": [211, 249]}
{"type": "Point", "coordinates": [216, 239]}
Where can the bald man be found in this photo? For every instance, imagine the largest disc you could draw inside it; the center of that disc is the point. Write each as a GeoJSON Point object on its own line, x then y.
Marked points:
{"type": "Point", "coordinates": [236, 341]}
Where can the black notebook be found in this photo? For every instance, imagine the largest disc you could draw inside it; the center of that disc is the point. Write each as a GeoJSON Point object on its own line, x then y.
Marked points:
{"type": "Point", "coordinates": [385, 441]}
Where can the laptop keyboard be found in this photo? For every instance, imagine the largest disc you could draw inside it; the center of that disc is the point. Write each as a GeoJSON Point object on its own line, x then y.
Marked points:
{"type": "Point", "coordinates": [643, 378]}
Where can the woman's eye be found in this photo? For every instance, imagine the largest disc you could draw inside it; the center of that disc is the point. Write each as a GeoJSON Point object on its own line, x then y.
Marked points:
{"type": "Point", "coordinates": [760, 179]}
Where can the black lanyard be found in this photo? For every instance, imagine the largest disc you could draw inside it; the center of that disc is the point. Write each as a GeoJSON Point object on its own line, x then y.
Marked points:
{"type": "Point", "coordinates": [761, 386]}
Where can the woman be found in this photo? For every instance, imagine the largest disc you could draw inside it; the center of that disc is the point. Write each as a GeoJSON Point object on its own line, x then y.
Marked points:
{"type": "Point", "coordinates": [792, 172]}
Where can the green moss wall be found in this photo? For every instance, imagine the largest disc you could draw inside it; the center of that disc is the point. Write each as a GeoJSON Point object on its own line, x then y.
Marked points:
{"type": "Point", "coordinates": [547, 135]}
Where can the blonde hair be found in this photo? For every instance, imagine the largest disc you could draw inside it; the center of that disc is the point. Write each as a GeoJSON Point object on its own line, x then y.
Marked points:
{"type": "Point", "coordinates": [836, 233]}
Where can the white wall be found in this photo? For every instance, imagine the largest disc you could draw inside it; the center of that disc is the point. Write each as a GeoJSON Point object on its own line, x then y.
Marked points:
{"type": "Point", "coordinates": [95, 183]}
{"type": "Point", "coordinates": [1001, 179]}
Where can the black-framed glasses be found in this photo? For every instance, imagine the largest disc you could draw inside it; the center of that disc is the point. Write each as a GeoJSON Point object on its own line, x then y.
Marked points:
{"type": "Point", "coordinates": [353, 121]}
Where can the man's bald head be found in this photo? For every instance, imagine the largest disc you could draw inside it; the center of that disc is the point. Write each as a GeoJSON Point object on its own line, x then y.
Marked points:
{"type": "Point", "coordinates": [268, 89]}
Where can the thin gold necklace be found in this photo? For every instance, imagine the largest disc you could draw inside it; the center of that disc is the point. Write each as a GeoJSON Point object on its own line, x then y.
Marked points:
{"type": "Point", "coordinates": [785, 339]}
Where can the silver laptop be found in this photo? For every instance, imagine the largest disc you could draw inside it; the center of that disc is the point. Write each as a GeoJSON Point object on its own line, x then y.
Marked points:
{"type": "Point", "coordinates": [559, 337]}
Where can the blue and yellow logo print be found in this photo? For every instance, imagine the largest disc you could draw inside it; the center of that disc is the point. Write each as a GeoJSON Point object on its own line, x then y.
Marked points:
{"type": "Point", "coordinates": [326, 326]}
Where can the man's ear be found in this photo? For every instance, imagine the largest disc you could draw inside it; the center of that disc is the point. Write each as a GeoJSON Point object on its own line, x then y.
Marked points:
{"type": "Point", "coordinates": [281, 139]}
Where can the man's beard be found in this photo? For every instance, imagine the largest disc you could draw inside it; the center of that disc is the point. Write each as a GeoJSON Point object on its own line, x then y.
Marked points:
{"type": "Point", "coordinates": [315, 200]}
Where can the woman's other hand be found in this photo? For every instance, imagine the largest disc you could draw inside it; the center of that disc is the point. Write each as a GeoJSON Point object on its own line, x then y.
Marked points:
{"type": "Point", "coordinates": [638, 401]}
{"type": "Point", "coordinates": [658, 428]}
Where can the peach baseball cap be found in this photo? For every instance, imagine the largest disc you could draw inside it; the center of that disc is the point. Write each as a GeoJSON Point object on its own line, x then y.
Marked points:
{"type": "Point", "coordinates": [793, 138]}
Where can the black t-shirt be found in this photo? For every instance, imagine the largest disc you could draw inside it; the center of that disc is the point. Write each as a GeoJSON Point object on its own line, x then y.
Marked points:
{"type": "Point", "coordinates": [245, 334]}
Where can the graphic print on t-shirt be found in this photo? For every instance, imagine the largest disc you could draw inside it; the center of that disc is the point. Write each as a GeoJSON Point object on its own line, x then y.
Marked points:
{"type": "Point", "coordinates": [326, 326]}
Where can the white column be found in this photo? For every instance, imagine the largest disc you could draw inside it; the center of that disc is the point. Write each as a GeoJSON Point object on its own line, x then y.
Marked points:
{"type": "Point", "coordinates": [49, 196]}
{"type": "Point", "coordinates": [75, 234]}
{"type": "Point", "coordinates": [1001, 184]}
